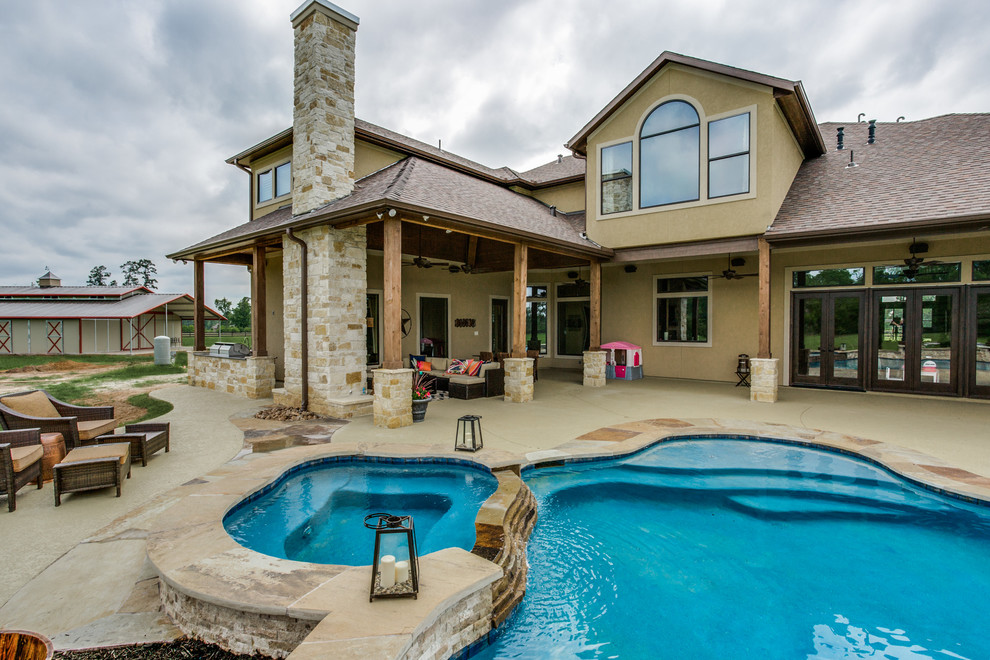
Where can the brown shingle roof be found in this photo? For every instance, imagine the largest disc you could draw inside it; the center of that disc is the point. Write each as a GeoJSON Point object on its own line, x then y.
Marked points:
{"type": "Point", "coordinates": [931, 172]}
{"type": "Point", "coordinates": [569, 167]}
{"type": "Point", "coordinates": [417, 185]}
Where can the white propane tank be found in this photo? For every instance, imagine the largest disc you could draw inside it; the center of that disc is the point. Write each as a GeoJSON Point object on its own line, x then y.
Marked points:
{"type": "Point", "coordinates": [163, 350]}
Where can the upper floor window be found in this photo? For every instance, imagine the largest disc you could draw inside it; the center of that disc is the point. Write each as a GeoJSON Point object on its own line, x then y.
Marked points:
{"type": "Point", "coordinates": [275, 182]}
{"type": "Point", "coordinates": [728, 156]}
{"type": "Point", "coordinates": [669, 152]}
{"type": "Point", "coordinates": [617, 178]}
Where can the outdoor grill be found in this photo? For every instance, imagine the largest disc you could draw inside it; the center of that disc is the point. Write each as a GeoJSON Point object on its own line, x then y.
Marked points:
{"type": "Point", "coordinates": [229, 349]}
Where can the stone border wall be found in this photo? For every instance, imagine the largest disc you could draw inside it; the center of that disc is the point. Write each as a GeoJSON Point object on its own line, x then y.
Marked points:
{"type": "Point", "coordinates": [252, 377]}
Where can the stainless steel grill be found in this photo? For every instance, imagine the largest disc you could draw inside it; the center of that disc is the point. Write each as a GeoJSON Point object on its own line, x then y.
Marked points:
{"type": "Point", "coordinates": [229, 349]}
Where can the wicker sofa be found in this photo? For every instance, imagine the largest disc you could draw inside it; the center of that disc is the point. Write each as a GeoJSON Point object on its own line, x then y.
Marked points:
{"type": "Point", "coordinates": [38, 409]}
{"type": "Point", "coordinates": [20, 462]}
{"type": "Point", "coordinates": [490, 380]}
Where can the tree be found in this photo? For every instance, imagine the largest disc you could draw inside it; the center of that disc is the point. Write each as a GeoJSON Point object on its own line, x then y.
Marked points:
{"type": "Point", "coordinates": [241, 316]}
{"type": "Point", "coordinates": [98, 276]}
{"type": "Point", "coordinates": [223, 306]}
{"type": "Point", "coordinates": [141, 272]}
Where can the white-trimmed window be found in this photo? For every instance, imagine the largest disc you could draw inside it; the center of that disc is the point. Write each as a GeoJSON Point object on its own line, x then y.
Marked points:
{"type": "Point", "coordinates": [275, 182]}
{"type": "Point", "coordinates": [617, 188]}
{"type": "Point", "coordinates": [669, 146]}
{"type": "Point", "coordinates": [728, 156]}
{"type": "Point", "coordinates": [682, 309]}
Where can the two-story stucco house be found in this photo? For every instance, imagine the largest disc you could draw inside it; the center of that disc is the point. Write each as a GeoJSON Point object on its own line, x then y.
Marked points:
{"type": "Point", "coordinates": [703, 214]}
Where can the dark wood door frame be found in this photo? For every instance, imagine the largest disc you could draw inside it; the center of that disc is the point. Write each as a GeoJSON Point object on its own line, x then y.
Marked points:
{"type": "Point", "coordinates": [827, 354]}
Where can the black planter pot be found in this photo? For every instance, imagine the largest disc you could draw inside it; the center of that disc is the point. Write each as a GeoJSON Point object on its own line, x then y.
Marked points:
{"type": "Point", "coordinates": [419, 409]}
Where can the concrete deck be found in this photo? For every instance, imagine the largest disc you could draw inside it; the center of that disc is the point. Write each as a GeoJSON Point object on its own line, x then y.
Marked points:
{"type": "Point", "coordinates": [84, 587]}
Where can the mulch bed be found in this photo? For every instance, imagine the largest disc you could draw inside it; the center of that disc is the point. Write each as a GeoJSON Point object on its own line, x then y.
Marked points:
{"type": "Point", "coordinates": [180, 649]}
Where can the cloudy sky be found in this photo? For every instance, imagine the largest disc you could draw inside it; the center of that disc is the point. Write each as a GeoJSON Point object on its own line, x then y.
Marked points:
{"type": "Point", "coordinates": [116, 116]}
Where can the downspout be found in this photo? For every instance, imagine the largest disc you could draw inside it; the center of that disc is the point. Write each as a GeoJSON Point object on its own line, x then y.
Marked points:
{"type": "Point", "coordinates": [304, 312]}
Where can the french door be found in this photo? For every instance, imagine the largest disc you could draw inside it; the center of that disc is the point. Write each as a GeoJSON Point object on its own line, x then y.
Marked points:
{"type": "Point", "coordinates": [979, 341]}
{"type": "Point", "coordinates": [916, 340]}
{"type": "Point", "coordinates": [828, 338]}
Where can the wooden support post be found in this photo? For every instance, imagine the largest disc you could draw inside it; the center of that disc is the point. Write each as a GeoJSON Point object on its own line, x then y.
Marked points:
{"type": "Point", "coordinates": [199, 309]}
{"type": "Point", "coordinates": [595, 340]}
{"type": "Point", "coordinates": [392, 316]}
{"type": "Point", "coordinates": [259, 304]}
{"type": "Point", "coordinates": [472, 251]}
{"type": "Point", "coordinates": [764, 347]}
{"type": "Point", "coordinates": [520, 266]}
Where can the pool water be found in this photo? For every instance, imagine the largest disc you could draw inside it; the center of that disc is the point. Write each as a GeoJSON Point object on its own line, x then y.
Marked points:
{"type": "Point", "coordinates": [317, 514]}
{"type": "Point", "coordinates": [743, 549]}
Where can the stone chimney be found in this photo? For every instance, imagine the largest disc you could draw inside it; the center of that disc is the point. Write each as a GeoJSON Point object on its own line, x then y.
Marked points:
{"type": "Point", "coordinates": [323, 110]}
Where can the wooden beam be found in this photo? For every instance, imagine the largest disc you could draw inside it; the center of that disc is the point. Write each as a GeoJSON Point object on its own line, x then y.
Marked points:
{"type": "Point", "coordinates": [472, 251]}
{"type": "Point", "coordinates": [519, 300]}
{"type": "Point", "coordinates": [764, 349]}
{"type": "Point", "coordinates": [259, 304]}
{"type": "Point", "coordinates": [595, 340]}
{"type": "Point", "coordinates": [199, 311]}
{"type": "Point", "coordinates": [392, 314]}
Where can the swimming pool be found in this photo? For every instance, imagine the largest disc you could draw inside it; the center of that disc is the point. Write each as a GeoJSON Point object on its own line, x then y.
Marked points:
{"type": "Point", "coordinates": [746, 549]}
{"type": "Point", "coordinates": [316, 513]}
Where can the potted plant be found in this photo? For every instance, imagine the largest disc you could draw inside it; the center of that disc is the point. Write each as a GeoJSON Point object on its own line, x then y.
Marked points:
{"type": "Point", "coordinates": [421, 395]}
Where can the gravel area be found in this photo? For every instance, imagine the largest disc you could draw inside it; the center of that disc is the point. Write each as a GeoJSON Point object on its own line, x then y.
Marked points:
{"type": "Point", "coordinates": [181, 649]}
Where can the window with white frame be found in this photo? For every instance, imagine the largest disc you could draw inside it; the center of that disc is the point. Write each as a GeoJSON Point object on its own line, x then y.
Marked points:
{"type": "Point", "coordinates": [669, 148]}
{"type": "Point", "coordinates": [275, 182]}
{"type": "Point", "coordinates": [728, 156]}
{"type": "Point", "coordinates": [682, 306]}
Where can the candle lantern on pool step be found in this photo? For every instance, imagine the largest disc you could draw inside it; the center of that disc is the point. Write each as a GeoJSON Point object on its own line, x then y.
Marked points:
{"type": "Point", "coordinates": [468, 436]}
{"type": "Point", "coordinates": [395, 569]}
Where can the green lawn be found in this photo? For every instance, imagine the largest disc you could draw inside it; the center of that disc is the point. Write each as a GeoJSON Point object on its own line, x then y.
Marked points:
{"type": "Point", "coordinates": [15, 361]}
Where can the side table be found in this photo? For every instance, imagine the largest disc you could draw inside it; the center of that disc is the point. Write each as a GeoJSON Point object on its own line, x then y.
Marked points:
{"type": "Point", "coordinates": [54, 445]}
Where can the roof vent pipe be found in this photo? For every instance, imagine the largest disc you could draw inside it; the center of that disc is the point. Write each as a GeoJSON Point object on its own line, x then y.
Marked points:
{"type": "Point", "coordinates": [851, 162]}
{"type": "Point", "coordinates": [553, 210]}
{"type": "Point", "coordinates": [873, 132]}
{"type": "Point", "coordinates": [900, 119]}
{"type": "Point", "coordinates": [838, 136]}
{"type": "Point", "coordinates": [560, 158]}
{"type": "Point", "coordinates": [303, 316]}
{"type": "Point", "coordinates": [859, 117]}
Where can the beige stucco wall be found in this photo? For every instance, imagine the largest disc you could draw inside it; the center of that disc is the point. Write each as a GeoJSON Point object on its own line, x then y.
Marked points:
{"type": "Point", "coordinates": [276, 330]}
{"type": "Point", "coordinates": [260, 165]}
{"type": "Point", "coordinates": [369, 158]}
{"type": "Point", "coordinates": [569, 197]}
{"type": "Point", "coordinates": [775, 158]}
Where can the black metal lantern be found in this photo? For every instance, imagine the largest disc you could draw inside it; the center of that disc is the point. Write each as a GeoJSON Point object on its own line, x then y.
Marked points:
{"type": "Point", "coordinates": [742, 370]}
{"type": "Point", "coordinates": [468, 435]}
{"type": "Point", "coordinates": [391, 575]}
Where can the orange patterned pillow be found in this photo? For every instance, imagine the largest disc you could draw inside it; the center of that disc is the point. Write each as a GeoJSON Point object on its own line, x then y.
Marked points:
{"type": "Point", "coordinates": [472, 367]}
{"type": "Point", "coordinates": [423, 365]}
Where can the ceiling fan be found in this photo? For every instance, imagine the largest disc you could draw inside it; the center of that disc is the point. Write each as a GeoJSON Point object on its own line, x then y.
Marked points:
{"type": "Point", "coordinates": [730, 272]}
{"type": "Point", "coordinates": [912, 265]}
{"type": "Point", "coordinates": [463, 268]}
{"type": "Point", "coordinates": [576, 276]}
{"type": "Point", "coordinates": [421, 261]}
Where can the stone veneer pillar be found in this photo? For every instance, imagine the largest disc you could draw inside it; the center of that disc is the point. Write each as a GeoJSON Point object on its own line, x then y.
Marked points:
{"type": "Point", "coordinates": [594, 368]}
{"type": "Point", "coordinates": [519, 380]}
{"type": "Point", "coordinates": [763, 379]}
{"type": "Point", "coordinates": [323, 111]}
{"type": "Point", "coordinates": [393, 398]}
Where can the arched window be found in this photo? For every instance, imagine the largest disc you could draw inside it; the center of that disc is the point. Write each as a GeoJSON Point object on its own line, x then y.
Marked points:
{"type": "Point", "coordinates": [669, 152]}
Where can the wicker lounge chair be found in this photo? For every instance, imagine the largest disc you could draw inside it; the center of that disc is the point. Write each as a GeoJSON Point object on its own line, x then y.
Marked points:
{"type": "Point", "coordinates": [79, 425]}
{"type": "Point", "coordinates": [91, 468]}
{"type": "Point", "coordinates": [20, 462]}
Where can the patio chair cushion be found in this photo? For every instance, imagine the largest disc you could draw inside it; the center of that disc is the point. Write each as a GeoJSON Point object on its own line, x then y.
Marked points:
{"type": "Point", "coordinates": [35, 404]}
{"type": "Point", "coordinates": [24, 457]}
{"type": "Point", "coordinates": [92, 452]}
{"type": "Point", "coordinates": [92, 428]}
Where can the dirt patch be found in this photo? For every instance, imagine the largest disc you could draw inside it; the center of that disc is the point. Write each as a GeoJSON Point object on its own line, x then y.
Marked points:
{"type": "Point", "coordinates": [123, 411]}
{"type": "Point", "coordinates": [181, 649]}
{"type": "Point", "coordinates": [61, 365]}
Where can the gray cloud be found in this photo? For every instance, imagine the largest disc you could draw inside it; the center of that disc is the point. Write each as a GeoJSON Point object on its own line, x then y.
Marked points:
{"type": "Point", "coordinates": [114, 126]}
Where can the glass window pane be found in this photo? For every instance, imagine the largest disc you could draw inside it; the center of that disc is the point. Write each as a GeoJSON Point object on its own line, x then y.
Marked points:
{"type": "Point", "coordinates": [265, 186]}
{"type": "Point", "coordinates": [617, 178]}
{"type": "Point", "coordinates": [981, 270]}
{"type": "Point", "coordinates": [828, 277]}
{"type": "Point", "coordinates": [682, 284]}
{"type": "Point", "coordinates": [617, 161]}
{"type": "Point", "coordinates": [982, 365]}
{"type": "Point", "coordinates": [669, 117]}
{"type": "Point", "coordinates": [283, 179]}
{"type": "Point", "coordinates": [573, 324]}
{"type": "Point", "coordinates": [669, 168]}
{"type": "Point", "coordinates": [683, 319]}
{"type": "Point", "coordinates": [809, 331]}
{"type": "Point", "coordinates": [728, 176]}
{"type": "Point", "coordinates": [574, 290]}
{"type": "Point", "coordinates": [937, 315]}
{"type": "Point", "coordinates": [433, 326]}
{"type": "Point", "coordinates": [536, 291]}
{"type": "Point", "coordinates": [536, 326]}
{"type": "Point", "coordinates": [374, 326]}
{"type": "Point", "coordinates": [728, 136]}
{"type": "Point", "coordinates": [932, 272]}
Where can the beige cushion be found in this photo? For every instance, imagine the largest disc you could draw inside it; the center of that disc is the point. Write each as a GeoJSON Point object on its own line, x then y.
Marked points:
{"type": "Point", "coordinates": [466, 380]}
{"type": "Point", "coordinates": [119, 450]}
{"type": "Point", "coordinates": [24, 457]}
{"type": "Point", "coordinates": [35, 404]}
{"type": "Point", "coordinates": [90, 429]}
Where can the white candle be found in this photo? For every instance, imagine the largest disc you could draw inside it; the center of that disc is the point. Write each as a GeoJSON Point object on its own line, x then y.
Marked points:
{"type": "Point", "coordinates": [386, 569]}
{"type": "Point", "coordinates": [401, 571]}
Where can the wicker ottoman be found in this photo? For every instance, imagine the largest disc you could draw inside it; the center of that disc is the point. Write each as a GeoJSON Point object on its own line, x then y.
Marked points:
{"type": "Point", "coordinates": [89, 468]}
{"type": "Point", "coordinates": [54, 445]}
{"type": "Point", "coordinates": [145, 438]}
{"type": "Point", "coordinates": [466, 387]}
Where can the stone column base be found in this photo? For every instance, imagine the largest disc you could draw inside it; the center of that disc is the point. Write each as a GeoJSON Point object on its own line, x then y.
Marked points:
{"type": "Point", "coordinates": [393, 398]}
{"type": "Point", "coordinates": [519, 379]}
{"type": "Point", "coordinates": [763, 376]}
{"type": "Point", "coordinates": [253, 377]}
{"type": "Point", "coordinates": [594, 368]}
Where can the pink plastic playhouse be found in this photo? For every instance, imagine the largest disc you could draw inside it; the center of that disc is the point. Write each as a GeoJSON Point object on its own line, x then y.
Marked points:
{"type": "Point", "coordinates": [623, 360]}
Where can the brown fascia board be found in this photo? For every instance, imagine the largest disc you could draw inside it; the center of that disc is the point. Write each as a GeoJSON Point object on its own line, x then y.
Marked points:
{"type": "Point", "coordinates": [274, 143]}
{"type": "Point", "coordinates": [782, 88]}
{"type": "Point", "coordinates": [952, 225]}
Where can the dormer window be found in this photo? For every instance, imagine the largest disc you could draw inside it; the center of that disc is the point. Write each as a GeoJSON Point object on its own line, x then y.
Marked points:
{"type": "Point", "coordinates": [728, 156]}
{"type": "Point", "coordinates": [275, 182]}
{"type": "Point", "coordinates": [669, 155]}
